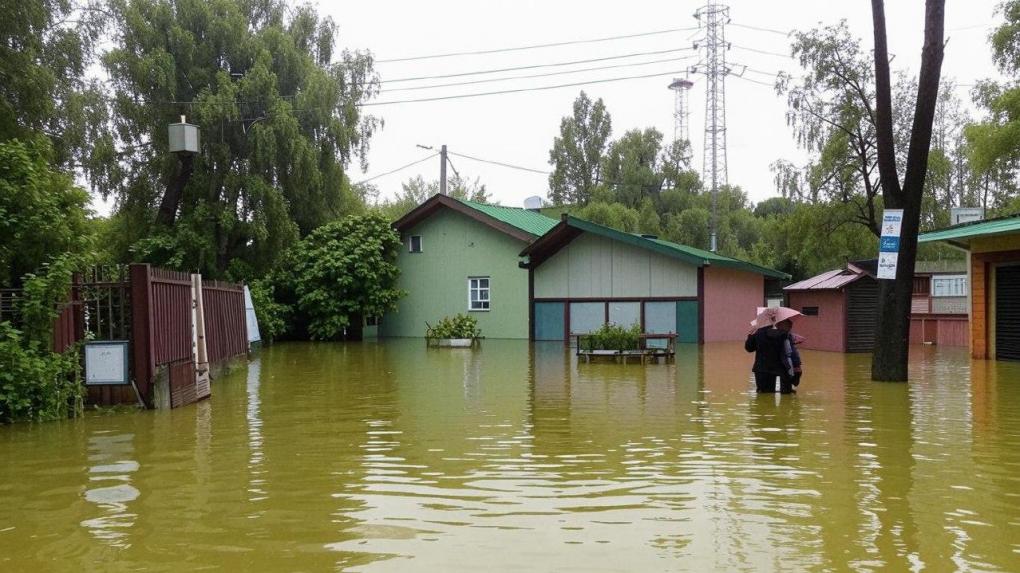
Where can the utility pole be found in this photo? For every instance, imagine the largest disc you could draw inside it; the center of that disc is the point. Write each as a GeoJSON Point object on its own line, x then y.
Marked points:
{"type": "Point", "coordinates": [442, 170]}
{"type": "Point", "coordinates": [714, 17]}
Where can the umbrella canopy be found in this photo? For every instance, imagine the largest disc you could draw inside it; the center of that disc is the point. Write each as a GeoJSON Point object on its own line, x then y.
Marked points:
{"type": "Point", "coordinates": [770, 316]}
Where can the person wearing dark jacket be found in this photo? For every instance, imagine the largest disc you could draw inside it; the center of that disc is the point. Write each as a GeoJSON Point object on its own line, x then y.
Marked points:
{"type": "Point", "coordinates": [772, 358]}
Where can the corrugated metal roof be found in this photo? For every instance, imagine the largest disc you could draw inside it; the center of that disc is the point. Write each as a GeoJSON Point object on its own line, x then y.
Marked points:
{"type": "Point", "coordinates": [721, 260]}
{"type": "Point", "coordinates": [829, 280]}
{"type": "Point", "coordinates": [962, 234]}
{"type": "Point", "coordinates": [525, 220]}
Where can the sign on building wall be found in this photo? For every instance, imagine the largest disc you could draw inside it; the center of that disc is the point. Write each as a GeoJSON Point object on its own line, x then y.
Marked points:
{"type": "Point", "coordinates": [889, 243]}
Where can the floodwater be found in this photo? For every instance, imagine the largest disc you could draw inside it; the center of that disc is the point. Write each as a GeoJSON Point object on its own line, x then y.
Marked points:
{"type": "Point", "coordinates": [393, 457]}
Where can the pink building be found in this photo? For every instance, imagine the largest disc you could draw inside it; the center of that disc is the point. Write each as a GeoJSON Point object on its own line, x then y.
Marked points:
{"type": "Point", "coordinates": [840, 308]}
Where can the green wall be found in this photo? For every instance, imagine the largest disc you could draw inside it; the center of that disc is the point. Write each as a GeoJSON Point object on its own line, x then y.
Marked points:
{"type": "Point", "coordinates": [455, 247]}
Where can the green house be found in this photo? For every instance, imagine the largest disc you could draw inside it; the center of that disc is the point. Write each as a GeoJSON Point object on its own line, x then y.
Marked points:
{"type": "Point", "coordinates": [462, 257]}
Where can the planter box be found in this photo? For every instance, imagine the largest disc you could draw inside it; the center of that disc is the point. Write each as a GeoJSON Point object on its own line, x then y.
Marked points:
{"type": "Point", "coordinates": [455, 342]}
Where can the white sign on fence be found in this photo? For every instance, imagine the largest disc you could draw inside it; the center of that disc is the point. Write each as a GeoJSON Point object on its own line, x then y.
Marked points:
{"type": "Point", "coordinates": [106, 362]}
{"type": "Point", "coordinates": [889, 243]}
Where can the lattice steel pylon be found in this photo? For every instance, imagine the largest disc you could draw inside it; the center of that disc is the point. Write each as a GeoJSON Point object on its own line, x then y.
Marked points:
{"type": "Point", "coordinates": [713, 17]}
{"type": "Point", "coordinates": [682, 112]}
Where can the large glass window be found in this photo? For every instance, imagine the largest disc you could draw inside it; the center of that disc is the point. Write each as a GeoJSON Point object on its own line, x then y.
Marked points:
{"type": "Point", "coordinates": [478, 293]}
{"type": "Point", "coordinates": [951, 285]}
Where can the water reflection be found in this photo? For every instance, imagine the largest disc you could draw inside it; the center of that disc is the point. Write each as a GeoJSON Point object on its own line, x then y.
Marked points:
{"type": "Point", "coordinates": [390, 456]}
{"type": "Point", "coordinates": [253, 416]}
{"type": "Point", "coordinates": [110, 487]}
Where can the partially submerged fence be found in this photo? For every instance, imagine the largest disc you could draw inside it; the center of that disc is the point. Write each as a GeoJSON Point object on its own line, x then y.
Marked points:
{"type": "Point", "coordinates": [155, 310]}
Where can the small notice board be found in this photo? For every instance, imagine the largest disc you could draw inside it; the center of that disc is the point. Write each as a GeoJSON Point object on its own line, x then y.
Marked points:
{"type": "Point", "coordinates": [106, 362]}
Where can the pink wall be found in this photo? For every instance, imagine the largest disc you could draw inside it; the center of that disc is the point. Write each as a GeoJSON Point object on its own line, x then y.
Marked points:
{"type": "Point", "coordinates": [825, 331]}
{"type": "Point", "coordinates": [732, 298]}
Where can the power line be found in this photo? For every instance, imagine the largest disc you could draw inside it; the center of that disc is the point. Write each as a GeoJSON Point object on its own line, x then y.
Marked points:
{"type": "Point", "coordinates": [535, 66]}
{"type": "Point", "coordinates": [501, 164]}
{"type": "Point", "coordinates": [761, 29]}
{"type": "Point", "coordinates": [519, 90]}
{"type": "Point", "coordinates": [413, 163]}
{"type": "Point", "coordinates": [534, 46]}
{"type": "Point", "coordinates": [754, 81]}
{"type": "Point", "coordinates": [757, 51]}
{"type": "Point", "coordinates": [542, 75]}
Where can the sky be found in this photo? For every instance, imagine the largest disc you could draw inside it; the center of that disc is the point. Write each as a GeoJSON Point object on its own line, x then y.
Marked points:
{"type": "Point", "coordinates": [518, 128]}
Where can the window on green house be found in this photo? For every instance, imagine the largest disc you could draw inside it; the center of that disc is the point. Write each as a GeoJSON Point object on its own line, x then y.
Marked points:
{"type": "Point", "coordinates": [414, 244]}
{"type": "Point", "coordinates": [478, 293]}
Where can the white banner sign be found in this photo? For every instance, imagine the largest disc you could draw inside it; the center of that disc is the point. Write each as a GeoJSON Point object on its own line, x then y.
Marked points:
{"type": "Point", "coordinates": [887, 265]}
{"type": "Point", "coordinates": [889, 243]}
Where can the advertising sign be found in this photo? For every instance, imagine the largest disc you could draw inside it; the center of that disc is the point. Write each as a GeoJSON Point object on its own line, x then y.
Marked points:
{"type": "Point", "coordinates": [889, 244]}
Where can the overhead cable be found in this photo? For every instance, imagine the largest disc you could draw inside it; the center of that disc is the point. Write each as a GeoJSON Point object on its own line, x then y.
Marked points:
{"type": "Point", "coordinates": [534, 46]}
{"type": "Point", "coordinates": [757, 51]}
{"type": "Point", "coordinates": [761, 29]}
{"type": "Point", "coordinates": [413, 163]}
{"type": "Point", "coordinates": [519, 90]}
{"type": "Point", "coordinates": [501, 164]}
{"type": "Point", "coordinates": [535, 66]}
{"type": "Point", "coordinates": [542, 75]}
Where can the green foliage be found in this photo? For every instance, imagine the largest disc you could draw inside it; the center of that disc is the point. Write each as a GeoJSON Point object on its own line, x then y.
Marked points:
{"type": "Point", "coordinates": [45, 49]}
{"type": "Point", "coordinates": [417, 190]}
{"type": "Point", "coordinates": [36, 383]}
{"type": "Point", "coordinates": [42, 213]}
{"type": "Point", "coordinates": [342, 271]}
{"type": "Point", "coordinates": [458, 326]}
{"type": "Point", "coordinates": [274, 317]}
{"type": "Point", "coordinates": [280, 119]}
{"type": "Point", "coordinates": [614, 337]}
{"type": "Point", "coordinates": [576, 155]}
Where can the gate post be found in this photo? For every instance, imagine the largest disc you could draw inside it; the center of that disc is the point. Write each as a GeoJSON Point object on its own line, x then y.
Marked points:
{"type": "Point", "coordinates": [141, 330]}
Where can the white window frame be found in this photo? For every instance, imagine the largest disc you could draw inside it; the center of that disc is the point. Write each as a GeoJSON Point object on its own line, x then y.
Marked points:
{"type": "Point", "coordinates": [410, 244]}
{"type": "Point", "coordinates": [952, 281]}
{"type": "Point", "coordinates": [474, 285]}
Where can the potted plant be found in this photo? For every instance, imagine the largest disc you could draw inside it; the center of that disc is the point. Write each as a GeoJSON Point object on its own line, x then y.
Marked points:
{"type": "Point", "coordinates": [460, 331]}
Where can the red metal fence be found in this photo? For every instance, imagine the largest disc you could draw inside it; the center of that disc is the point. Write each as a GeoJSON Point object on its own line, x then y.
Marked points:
{"type": "Point", "coordinates": [226, 333]}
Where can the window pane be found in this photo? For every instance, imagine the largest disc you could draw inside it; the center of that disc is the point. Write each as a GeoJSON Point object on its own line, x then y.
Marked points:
{"type": "Point", "coordinates": [483, 283]}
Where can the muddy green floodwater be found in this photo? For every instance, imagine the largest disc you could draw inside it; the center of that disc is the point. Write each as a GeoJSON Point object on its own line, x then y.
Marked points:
{"type": "Point", "coordinates": [392, 457]}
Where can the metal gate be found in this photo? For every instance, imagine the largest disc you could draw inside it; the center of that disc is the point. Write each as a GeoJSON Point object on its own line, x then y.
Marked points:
{"type": "Point", "coordinates": [1007, 312]}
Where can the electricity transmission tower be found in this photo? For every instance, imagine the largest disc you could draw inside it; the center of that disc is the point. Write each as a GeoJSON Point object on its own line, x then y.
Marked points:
{"type": "Point", "coordinates": [713, 17]}
{"type": "Point", "coordinates": [682, 113]}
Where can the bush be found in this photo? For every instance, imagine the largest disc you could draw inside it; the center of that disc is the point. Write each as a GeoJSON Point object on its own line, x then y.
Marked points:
{"type": "Point", "coordinates": [35, 382]}
{"type": "Point", "coordinates": [342, 271]}
{"type": "Point", "coordinates": [614, 337]}
{"type": "Point", "coordinates": [273, 316]}
{"type": "Point", "coordinates": [459, 326]}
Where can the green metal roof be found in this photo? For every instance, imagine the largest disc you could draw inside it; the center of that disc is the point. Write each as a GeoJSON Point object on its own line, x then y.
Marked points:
{"type": "Point", "coordinates": [962, 234]}
{"type": "Point", "coordinates": [525, 220]}
{"type": "Point", "coordinates": [675, 250]}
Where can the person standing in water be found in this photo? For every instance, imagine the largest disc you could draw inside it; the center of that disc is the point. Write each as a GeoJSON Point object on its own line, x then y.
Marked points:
{"type": "Point", "coordinates": [773, 351]}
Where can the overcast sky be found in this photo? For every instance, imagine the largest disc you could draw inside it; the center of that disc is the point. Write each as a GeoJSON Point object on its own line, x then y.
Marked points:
{"type": "Point", "coordinates": [519, 128]}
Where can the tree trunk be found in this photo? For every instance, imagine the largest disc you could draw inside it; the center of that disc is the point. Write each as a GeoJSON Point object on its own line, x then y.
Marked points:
{"type": "Point", "coordinates": [172, 198]}
{"type": "Point", "coordinates": [892, 338]}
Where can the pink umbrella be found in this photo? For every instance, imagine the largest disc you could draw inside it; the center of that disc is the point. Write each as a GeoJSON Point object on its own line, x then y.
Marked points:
{"type": "Point", "coordinates": [770, 316]}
